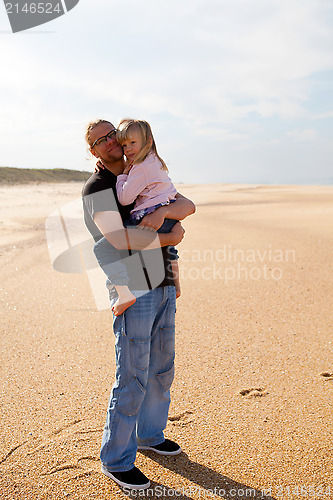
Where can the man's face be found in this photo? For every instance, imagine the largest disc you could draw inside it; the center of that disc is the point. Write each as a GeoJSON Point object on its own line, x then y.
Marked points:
{"type": "Point", "coordinates": [108, 150]}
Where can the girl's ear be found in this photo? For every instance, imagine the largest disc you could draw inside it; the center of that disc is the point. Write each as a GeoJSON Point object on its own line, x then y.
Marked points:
{"type": "Point", "coordinates": [150, 142]}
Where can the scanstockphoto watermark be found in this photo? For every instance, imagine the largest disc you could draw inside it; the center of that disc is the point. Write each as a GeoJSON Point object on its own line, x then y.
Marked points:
{"type": "Point", "coordinates": [24, 15]}
{"type": "Point", "coordinates": [280, 492]}
{"type": "Point", "coordinates": [229, 263]}
{"type": "Point", "coordinates": [164, 492]}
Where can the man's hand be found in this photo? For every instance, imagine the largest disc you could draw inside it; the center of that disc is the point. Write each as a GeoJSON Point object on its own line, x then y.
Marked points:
{"type": "Point", "coordinates": [153, 221]}
{"type": "Point", "coordinates": [99, 166]}
{"type": "Point", "coordinates": [177, 233]}
{"type": "Point", "coordinates": [178, 210]}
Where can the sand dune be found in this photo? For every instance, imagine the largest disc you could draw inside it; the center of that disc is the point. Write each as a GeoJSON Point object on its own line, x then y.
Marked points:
{"type": "Point", "coordinates": [252, 397]}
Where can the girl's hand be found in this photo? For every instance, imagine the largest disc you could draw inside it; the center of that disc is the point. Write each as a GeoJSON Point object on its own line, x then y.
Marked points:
{"type": "Point", "coordinates": [99, 166]}
{"type": "Point", "coordinates": [127, 168]}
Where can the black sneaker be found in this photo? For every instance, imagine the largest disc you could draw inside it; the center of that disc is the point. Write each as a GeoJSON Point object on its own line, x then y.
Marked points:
{"type": "Point", "coordinates": [132, 479]}
{"type": "Point", "coordinates": [168, 447]}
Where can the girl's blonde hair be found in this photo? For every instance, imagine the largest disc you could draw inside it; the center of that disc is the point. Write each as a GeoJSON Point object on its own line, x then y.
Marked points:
{"type": "Point", "coordinates": [127, 127]}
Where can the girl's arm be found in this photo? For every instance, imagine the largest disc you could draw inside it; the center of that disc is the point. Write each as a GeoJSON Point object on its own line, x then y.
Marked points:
{"type": "Point", "coordinates": [131, 185]}
{"type": "Point", "coordinates": [181, 208]}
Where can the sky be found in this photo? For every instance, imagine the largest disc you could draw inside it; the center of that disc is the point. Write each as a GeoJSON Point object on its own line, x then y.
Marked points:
{"type": "Point", "coordinates": [235, 90]}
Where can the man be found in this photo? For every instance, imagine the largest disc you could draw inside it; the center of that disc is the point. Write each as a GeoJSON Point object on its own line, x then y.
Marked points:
{"type": "Point", "coordinates": [145, 333]}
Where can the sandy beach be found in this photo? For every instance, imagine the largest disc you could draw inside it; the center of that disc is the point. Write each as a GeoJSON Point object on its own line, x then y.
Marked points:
{"type": "Point", "coordinates": [252, 398]}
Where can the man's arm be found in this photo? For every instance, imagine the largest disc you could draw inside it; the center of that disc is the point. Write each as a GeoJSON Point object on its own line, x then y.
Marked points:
{"type": "Point", "coordinates": [181, 208]}
{"type": "Point", "coordinates": [178, 210]}
{"type": "Point", "coordinates": [111, 226]}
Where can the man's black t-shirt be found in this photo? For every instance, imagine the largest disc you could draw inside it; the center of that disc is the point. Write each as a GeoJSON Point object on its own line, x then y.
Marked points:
{"type": "Point", "coordinates": [99, 194]}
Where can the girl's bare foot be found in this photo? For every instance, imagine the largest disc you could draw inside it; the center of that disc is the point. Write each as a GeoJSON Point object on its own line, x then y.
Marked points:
{"type": "Point", "coordinates": [120, 307]}
{"type": "Point", "coordinates": [125, 300]}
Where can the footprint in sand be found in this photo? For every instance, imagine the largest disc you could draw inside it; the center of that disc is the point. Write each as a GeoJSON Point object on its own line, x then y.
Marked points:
{"type": "Point", "coordinates": [66, 432]}
{"type": "Point", "coordinates": [181, 419]}
{"type": "Point", "coordinates": [256, 392]}
{"type": "Point", "coordinates": [327, 375]}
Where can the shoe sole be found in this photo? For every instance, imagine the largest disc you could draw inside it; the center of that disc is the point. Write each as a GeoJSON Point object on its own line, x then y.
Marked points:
{"type": "Point", "coordinates": [125, 485]}
{"type": "Point", "coordinates": [167, 453]}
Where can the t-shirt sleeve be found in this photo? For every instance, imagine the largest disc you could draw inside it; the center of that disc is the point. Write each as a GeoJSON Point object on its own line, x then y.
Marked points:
{"type": "Point", "coordinates": [100, 201]}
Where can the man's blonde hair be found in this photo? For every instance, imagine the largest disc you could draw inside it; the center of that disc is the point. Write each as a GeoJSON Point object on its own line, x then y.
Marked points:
{"type": "Point", "coordinates": [91, 126]}
{"type": "Point", "coordinates": [125, 130]}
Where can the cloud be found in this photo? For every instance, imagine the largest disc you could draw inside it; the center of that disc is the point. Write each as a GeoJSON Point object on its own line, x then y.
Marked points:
{"type": "Point", "coordinates": [218, 60]}
{"type": "Point", "coordinates": [220, 53]}
{"type": "Point", "coordinates": [303, 135]}
{"type": "Point", "coordinates": [219, 134]}
{"type": "Point", "coordinates": [328, 114]}
{"type": "Point", "coordinates": [239, 72]}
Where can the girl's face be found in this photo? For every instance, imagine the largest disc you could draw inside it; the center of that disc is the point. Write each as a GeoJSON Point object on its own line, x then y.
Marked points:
{"type": "Point", "coordinates": [132, 146]}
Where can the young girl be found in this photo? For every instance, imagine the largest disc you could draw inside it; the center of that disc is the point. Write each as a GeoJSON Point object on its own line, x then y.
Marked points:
{"type": "Point", "coordinates": [145, 181]}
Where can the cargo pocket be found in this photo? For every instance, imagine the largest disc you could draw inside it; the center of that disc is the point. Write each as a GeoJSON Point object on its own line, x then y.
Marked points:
{"type": "Point", "coordinates": [166, 378]}
{"type": "Point", "coordinates": [131, 397]}
{"type": "Point", "coordinates": [119, 325]}
{"type": "Point", "coordinates": [140, 353]}
{"type": "Point", "coordinates": [167, 340]}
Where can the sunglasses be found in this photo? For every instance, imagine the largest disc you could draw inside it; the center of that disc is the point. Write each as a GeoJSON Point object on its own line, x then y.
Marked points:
{"type": "Point", "coordinates": [100, 140]}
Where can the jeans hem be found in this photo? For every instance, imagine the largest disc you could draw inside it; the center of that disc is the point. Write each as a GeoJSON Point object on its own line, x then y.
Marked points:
{"type": "Point", "coordinates": [151, 443]}
{"type": "Point", "coordinates": [117, 469]}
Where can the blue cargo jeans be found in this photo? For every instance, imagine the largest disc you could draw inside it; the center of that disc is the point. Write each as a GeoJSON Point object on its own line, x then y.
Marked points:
{"type": "Point", "coordinates": [140, 398]}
